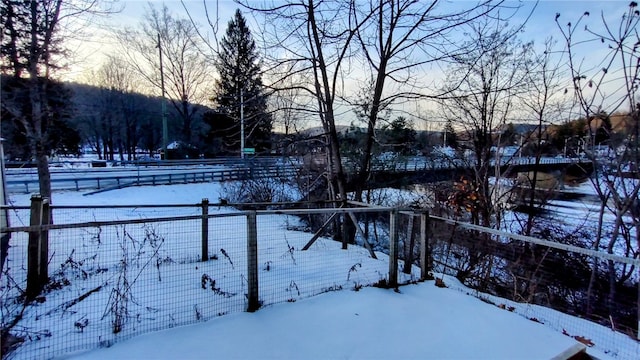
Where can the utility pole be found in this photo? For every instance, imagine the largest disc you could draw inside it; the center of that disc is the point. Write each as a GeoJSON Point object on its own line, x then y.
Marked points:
{"type": "Point", "coordinates": [520, 147]}
{"type": "Point", "coordinates": [165, 131]}
{"type": "Point", "coordinates": [241, 123]}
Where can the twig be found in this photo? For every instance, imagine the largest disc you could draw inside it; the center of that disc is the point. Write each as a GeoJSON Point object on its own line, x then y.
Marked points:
{"type": "Point", "coordinates": [68, 304]}
{"type": "Point", "coordinates": [228, 258]}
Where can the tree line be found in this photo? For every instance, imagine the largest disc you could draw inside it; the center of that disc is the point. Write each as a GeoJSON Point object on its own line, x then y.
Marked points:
{"type": "Point", "coordinates": [43, 116]}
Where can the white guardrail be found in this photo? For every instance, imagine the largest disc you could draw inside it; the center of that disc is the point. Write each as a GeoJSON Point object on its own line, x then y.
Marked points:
{"type": "Point", "coordinates": [25, 180]}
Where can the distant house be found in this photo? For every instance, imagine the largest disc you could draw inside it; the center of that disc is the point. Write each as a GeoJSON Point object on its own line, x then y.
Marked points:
{"type": "Point", "coordinates": [444, 151]}
{"type": "Point", "coordinates": [180, 150]}
{"type": "Point", "coordinates": [504, 151]}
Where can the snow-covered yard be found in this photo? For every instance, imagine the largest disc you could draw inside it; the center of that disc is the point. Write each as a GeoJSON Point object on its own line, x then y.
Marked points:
{"type": "Point", "coordinates": [420, 321]}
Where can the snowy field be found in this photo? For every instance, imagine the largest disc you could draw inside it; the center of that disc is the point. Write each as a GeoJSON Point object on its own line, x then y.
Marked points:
{"type": "Point", "coordinates": [419, 321]}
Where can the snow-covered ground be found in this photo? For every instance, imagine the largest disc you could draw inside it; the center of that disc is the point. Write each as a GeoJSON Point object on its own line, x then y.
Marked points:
{"type": "Point", "coordinates": [420, 321]}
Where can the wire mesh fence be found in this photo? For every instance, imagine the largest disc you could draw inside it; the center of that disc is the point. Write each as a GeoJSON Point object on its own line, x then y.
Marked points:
{"type": "Point", "coordinates": [108, 281]}
{"type": "Point", "coordinates": [544, 282]}
{"type": "Point", "coordinates": [113, 272]}
{"type": "Point", "coordinates": [295, 265]}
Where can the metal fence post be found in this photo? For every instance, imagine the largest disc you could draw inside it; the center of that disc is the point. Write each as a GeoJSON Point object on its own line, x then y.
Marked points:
{"type": "Point", "coordinates": [424, 245]}
{"type": "Point", "coordinates": [252, 262]}
{"type": "Point", "coordinates": [205, 229]}
{"type": "Point", "coordinates": [393, 248]}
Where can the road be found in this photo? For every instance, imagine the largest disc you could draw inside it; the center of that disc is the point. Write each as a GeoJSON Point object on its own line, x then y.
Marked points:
{"type": "Point", "coordinates": [81, 176]}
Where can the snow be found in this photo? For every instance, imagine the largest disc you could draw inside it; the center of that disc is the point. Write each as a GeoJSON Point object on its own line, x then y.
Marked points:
{"type": "Point", "coordinates": [419, 321]}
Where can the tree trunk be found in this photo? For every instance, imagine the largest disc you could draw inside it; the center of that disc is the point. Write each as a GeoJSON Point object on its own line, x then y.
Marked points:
{"type": "Point", "coordinates": [325, 98]}
{"type": "Point", "coordinates": [612, 271]}
{"type": "Point", "coordinates": [594, 271]}
{"type": "Point", "coordinates": [44, 176]}
{"type": "Point", "coordinates": [37, 89]}
{"type": "Point", "coordinates": [186, 130]}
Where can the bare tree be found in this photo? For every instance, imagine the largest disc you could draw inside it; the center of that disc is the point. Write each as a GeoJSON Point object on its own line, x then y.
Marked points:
{"type": "Point", "coordinates": [290, 111]}
{"type": "Point", "coordinates": [316, 38]}
{"type": "Point", "coordinates": [398, 38]}
{"type": "Point", "coordinates": [393, 39]}
{"type": "Point", "coordinates": [111, 120]}
{"type": "Point", "coordinates": [186, 69]}
{"type": "Point", "coordinates": [482, 86]}
{"type": "Point", "coordinates": [290, 106]}
{"type": "Point", "coordinates": [596, 98]}
{"type": "Point", "coordinates": [543, 104]}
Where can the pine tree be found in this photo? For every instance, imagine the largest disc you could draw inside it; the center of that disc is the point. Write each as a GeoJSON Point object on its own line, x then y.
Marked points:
{"type": "Point", "coordinates": [238, 67]}
{"type": "Point", "coordinates": [61, 137]}
{"type": "Point", "coordinates": [400, 136]}
{"type": "Point", "coordinates": [30, 38]}
{"type": "Point", "coordinates": [451, 139]}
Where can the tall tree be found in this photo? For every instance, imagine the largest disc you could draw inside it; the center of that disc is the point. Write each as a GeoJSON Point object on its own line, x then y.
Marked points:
{"type": "Point", "coordinates": [184, 66]}
{"type": "Point", "coordinates": [383, 44]}
{"type": "Point", "coordinates": [618, 63]}
{"type": "Point", "coordinates": [31, 46]}
{"type": "Point", "coordinates": [398, 38]}
{"type": "Point", "coordinates": [313, 39]}
{"type": "Point", "coordinates": [239, 91]}
{"type": "Point", "coordinates": [482, 85]}
{"type": "Point", "coordinates": [30, 42]}
{"type": "Point", "coordinates": [450, 136]}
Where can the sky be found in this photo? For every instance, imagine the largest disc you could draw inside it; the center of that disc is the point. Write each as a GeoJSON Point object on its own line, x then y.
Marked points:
{"type": "Point", "coordinates": [88, 52]}
{"type": "Point", "coordinates": [90, 49]}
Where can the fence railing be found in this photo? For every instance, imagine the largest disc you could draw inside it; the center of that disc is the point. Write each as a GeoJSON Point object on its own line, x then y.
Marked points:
{"type": "Point", "coordinates": [230, 170]}
{"type": "Point", "coordinates": [590, 295]}
{"type": "Point", "coordinates": [109, 182]}
{"type": "Point", "coordinates": [112, 272]}
{"type": "Point", "coordinates": [151, 162]}
{"type": "Point", "coordinates": [101, 274]}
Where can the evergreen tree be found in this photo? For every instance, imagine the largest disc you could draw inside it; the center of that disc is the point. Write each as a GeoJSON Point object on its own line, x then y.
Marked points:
{"type": "Point", "coordinates": [60, 136]}
{"type": "Point", "coordinates": [30, 39]}
{"type": "Point", "coordinates": [400, 136]}
{"type": "Point", "coordinates": [451, 139]}
{"type": "Point", "coordinates": [508, 136]}
{"type": "Point", "coordinates": [238, 66]}
{"type": "Point", "coordinates": [219, 139]}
